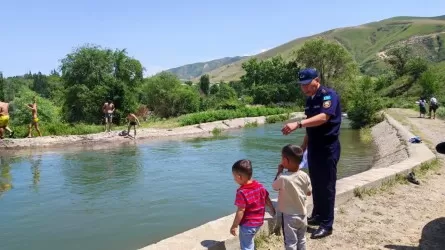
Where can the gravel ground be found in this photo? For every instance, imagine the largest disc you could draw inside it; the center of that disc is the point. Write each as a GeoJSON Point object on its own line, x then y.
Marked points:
{"type": "Point", "coordinates": [406, 216]}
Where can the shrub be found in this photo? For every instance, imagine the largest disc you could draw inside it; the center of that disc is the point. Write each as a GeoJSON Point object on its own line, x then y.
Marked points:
{"type": "Point", "coordinates": [165, 95]}
{"type": "Point", "coordinates": [277, 118]}
{"type": "Point", "coordinates": [363, 103]}
{"type": "Point", "coordinates": [21, 115]}
{"type": "Point", "coordinates": [217, 115]}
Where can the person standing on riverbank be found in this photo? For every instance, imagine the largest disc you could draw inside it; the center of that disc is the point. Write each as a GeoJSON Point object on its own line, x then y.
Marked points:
{"type": "Point", "coordinates": [433, 107]}
{"type": "Point", "coordinates": [4, 118]}
{"type": "Point", "coordinates": [422, 107]}
{"type": "Point", "coordinates": [322, 125]}
{"type": "Point", "coordinates": [132, 122]}
{"type": "Point", "coordinates": [35, 120]}
{"type": "Point", "coordinates": [251, 200]}
{"type": "Point", "coordinates": [293, 187]}
{"type": "Point", "coordinates": [108, 110]}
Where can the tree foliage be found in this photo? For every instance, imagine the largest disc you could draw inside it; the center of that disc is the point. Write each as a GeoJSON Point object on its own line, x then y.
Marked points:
{"type": "Point", "coordinates": [430, 83]}
{"type": "Point", "coordinates": [416, 66]}
{"type": "Point", "coordinates": [271, 71]}
{"type": "Point", "coordinates": [91, 75]}
{"type": "Point", "coordinates": [333, 62]}
{"type": "Point", "coordinates": [398, 58]}
{"type": "Point", "coordinates": [363, 103]}
{"type": "Point", "coordinates": [204, 84]}
{"type": "Point", "coordinates": [166, 96]}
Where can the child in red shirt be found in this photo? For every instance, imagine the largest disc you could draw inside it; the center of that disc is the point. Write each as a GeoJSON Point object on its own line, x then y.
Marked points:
{"type": "Point", "coordinates": [251, 200]}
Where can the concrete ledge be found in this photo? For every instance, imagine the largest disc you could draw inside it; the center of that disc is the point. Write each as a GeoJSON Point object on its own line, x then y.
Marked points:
{"type": "Point", "coordinates": [215, 234]}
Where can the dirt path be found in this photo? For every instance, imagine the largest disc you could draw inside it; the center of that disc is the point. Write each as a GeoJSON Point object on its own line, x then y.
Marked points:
{"type": "Point", "coordinates": [406, 216]}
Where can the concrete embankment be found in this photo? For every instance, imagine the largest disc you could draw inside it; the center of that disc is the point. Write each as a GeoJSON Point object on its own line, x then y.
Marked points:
{"type": "Point", "coordinates": [215, 234]}
{"type": "Point", "coordinates": [198, 130]}
{"type": "Point", "coordinates": [391, 148]}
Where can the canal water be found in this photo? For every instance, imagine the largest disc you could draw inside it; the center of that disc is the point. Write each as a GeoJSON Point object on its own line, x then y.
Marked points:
{"type": "Point", "coordinates": [127, 197]}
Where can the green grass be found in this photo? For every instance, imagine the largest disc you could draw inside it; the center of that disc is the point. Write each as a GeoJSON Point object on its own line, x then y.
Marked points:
{"type": "Point", "coordinates": [253, 124]}
{"type": "Point", "coordinates": [363, 42]}
{"type": "Point", "coordinates": [216, 131]}
{"type": "Point", "coordinates": [277, 118]}
{"type": "Point", "coordinates": [366, 135]}
{"type": "Point", "coordinates": [218, 115]}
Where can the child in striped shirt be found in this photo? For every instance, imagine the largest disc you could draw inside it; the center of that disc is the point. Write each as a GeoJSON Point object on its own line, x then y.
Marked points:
{"type": "Point", "coordinates": [251, 200]}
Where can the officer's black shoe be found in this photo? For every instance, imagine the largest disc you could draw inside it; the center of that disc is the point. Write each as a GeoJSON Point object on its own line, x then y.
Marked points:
{"type": "Point", "coordinates": [313, 221]}
{"type": "Point", "coordinates": [320, 233]}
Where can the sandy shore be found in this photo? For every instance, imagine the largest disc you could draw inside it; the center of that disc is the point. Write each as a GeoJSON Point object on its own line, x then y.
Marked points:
{"type": "Point", "coordinates": [405, 216]}
{"type": "Point", "coordinates": [198, 130]}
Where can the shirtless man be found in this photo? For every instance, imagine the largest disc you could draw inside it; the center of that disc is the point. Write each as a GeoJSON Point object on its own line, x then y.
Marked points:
{"type": "Point", "coordinates": [35, 119]}
{"type": "Point", "coordinates": [108, 110]}
{"type": "Point", "coordinates": [4, 117]}
{"type": "Point", "coordinates": [132, 121]}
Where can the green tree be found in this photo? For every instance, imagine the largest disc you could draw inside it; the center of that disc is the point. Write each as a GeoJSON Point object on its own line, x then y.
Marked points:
{"type": "Point", "coordinates": [91, 75]}
{"type": "Point", "coordinates": [21, 115]}
{"type": "Point", "coordinates": [363, 103]}
{"type": "Point", "coordinates": [166, 97]}
{"type": "Point", "coordinates": [214, 89]}
{"type": "Point", "coordinates": [333, 62]}
{"type": "Point", "coordinates": [40, 85]}
{"type": "Point", "coordinates": [271, 71]}
{"type": "Point", "coordinates": [430, 83]}
{"type": "Point", "coordinates": [251, 77]}
{"type": "Point", "coordinates": [416, 66]}
{"type": "Point", "coordinates": [190, 83]}
{"type": "Point", "coordinates": [398, 58]}
{"type": "Point", "coordinates": [204, 84]}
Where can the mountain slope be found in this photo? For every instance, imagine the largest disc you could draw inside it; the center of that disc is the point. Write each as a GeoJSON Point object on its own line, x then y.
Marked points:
{"type": "Point", "coordinates": [193, 70]}
{"type": "Point", "coordinates": [367, 43]}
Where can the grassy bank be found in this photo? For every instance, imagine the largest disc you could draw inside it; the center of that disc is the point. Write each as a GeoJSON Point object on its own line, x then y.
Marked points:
{"type": "Point", "coordinates": [217, 115]}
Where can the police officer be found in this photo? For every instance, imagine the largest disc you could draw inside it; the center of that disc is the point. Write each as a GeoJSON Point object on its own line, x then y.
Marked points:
{"type": "Point", "coordinates": [322, 125]}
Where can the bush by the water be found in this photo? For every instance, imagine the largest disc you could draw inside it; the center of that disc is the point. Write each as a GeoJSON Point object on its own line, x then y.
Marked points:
{"type": "Point", "coordinates": [216, 115]}
{"type": "Point", "coordinates": [277, 118]}
{"type": "Point", "coordinates": [363, 104]}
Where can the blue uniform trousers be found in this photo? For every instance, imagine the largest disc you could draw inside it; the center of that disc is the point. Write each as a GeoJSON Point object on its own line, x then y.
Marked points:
{"type": "Point", "coordinates": [322, 161]}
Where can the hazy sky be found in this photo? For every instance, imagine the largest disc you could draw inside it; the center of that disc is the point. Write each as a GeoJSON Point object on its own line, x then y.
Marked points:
{"type": "Point", "coordinates": [35, 35]}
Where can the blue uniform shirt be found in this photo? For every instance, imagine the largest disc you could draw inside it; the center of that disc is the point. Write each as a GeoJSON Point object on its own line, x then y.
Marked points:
{"type": "Point", "coordinates": [325, 101]}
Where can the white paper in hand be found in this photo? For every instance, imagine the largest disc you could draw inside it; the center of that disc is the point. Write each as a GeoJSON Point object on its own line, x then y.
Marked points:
{"type": "Point", "coordinates": [303, 163]}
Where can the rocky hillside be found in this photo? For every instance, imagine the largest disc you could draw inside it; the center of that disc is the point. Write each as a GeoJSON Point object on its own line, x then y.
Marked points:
{"type": "Point", "coordinates": [190, 71]}
{"type": "Point", "coordinates": [367, 43]}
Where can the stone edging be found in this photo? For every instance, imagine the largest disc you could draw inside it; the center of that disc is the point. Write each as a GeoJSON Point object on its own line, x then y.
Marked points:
{"type": "Point", "coordinates": [215, 234]}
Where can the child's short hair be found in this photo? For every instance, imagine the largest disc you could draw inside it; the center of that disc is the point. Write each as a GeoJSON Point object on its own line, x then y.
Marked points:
{"type": "Point", "coordinates": [243, 167]}
{"type": "Point", "coordinates": [293, 153]}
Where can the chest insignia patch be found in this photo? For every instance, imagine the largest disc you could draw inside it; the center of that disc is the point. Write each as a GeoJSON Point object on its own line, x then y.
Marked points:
{"type": "Point", "coordinates": [325, 98]}
{"type": "Point", "coordinates": [326, 104]}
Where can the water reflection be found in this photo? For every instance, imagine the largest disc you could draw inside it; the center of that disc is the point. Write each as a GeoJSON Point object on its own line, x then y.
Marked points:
{"type": "Point", "coordinates": [93, 173]}
{"type": "Point", "coordinates": [35, 169]}
{"type": "Point", "coordinates": [5, 175]}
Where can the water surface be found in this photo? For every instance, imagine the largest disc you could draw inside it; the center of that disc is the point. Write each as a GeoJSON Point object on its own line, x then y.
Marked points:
{"type": "Point", "coordinates": [129, 196]}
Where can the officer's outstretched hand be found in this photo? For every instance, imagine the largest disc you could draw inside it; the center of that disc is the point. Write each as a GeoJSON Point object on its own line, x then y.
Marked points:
{"type": "Point", "coordinates": [288, 128]}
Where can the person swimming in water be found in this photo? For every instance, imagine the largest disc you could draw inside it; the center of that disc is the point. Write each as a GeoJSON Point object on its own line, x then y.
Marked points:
{"type": "Point", "coordinates": [35, 120]}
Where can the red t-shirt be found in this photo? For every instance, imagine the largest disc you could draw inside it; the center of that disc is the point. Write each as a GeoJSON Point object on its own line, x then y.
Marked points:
{"type": "Point", "coordinates": [252, 197]}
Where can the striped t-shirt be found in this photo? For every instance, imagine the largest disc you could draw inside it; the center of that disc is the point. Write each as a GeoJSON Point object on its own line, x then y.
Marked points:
{"type": "Point", "coordinates": [252, 197]}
